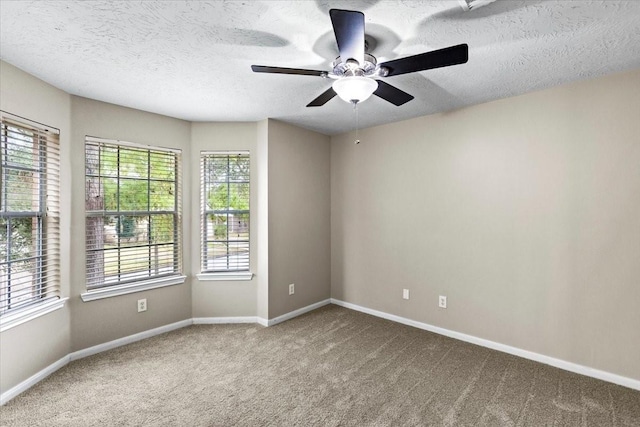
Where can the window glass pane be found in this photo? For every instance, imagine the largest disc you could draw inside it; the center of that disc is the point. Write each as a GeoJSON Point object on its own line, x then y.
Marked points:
{"type": "Point", "coordinates": [238, 196]}
{"type": "Point", "coordinates": [22, 276]}
{"type": "Point", "coordinates": [21, 150]}
{"type": "Point", "coordinates": [219, 227]}
{"type": "Point", "coordinates": [238, 226]}
{"type": "Point", "coordinates": [162, 166]}
{"type": "Point", "coordinates": [162, 196]}
{"type": "Point", "coordinates": [24, 235]}
{"type": "Point", "coordinates": [162, 228]}
{"type": "Point", "coordinates": [22, 189]}
{"type": "Point", "coordinates": [133, 195]}
{"type": "Point", "coordinates": [162, 258]}
{"type": "Point", "coordinates": [108, 161]}
{"type": "Point", "coordinates": [134, 163]}
{"type": "Point", "coordinates": [132, 230]}
{"type": "Point", "coordinates": [219, 169]}
{"type": "Point", "coordinates": [239, 169]}
{"type": "Point", "coordinates": [110, 193]}
{"type": "Point", "coordinates": [3, 239]}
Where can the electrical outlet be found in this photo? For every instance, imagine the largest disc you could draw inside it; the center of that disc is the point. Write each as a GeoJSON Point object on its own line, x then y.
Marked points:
{"type": "Point", "coordinates": [405, 294]}
{"type": "Point", "coordinates": [142, 305]}
{"type": "Point", "coordinates": [292, 289]}
{"type": "Point", "coordinates": [442, 301]}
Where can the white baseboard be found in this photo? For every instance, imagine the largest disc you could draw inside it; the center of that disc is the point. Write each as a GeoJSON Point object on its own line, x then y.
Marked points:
{"type": "Point", "coordinates": [44, 373]}
{"type": "Point", "coordinates": [297, 312]}
{"type": "Point", "coordinates": [547, 360]}
{"type": "Point", "coordinates": [223, 320]}
{"type": "Point", "coordinates": [33, 380]}
{"type": "Point", "coordinates": [128, 340]}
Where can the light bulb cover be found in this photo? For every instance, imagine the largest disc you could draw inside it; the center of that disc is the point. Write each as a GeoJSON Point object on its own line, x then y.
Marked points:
{"type": "Point", "coordinates": [355, 88]}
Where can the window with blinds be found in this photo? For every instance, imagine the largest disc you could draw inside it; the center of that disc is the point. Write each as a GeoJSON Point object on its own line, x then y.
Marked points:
{"type": "Point", "coordinates": [133, 207]}
{"type": "Point", "coordinates": [29, 213]}
{"type": "Point", "coordinates": [224, 217]}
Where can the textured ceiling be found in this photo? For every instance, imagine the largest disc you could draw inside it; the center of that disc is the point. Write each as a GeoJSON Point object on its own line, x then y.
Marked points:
{"type": "Point", "coordinates": [191, 59]}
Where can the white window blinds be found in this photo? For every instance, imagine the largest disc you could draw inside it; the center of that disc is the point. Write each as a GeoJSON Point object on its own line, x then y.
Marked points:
{"type": "Point", "coordinates": [29, 213]}
{"type": "Point", "coordinates": [133, 209]}
{"type": "Point", "coordinates": [224, 183]}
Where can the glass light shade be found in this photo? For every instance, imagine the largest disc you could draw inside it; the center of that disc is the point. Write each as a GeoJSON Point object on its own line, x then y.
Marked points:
{"type": "Point", "coordinates": [355, 88]}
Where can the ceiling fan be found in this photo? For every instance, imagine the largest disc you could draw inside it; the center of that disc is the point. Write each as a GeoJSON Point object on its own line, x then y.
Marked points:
{"type": "Point", "coordinates": [356, 72]}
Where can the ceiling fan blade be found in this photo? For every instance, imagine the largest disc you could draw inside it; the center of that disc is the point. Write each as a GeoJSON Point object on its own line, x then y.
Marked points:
{"type": "Point", "coordinates": [348, 26]}
{"type": "Point", "coordinates": [325, 97]}
{"type": "Point", "coordinates": [281, 70]}
{"type": "Point", "coordinates": [392, 94]}
{"type": "Point", "coordinates": [452, 55]}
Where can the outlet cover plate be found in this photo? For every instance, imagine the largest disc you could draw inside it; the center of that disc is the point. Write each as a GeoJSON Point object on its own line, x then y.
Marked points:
{"type": "Point", "coordinates": [142, 305]}
{"type": "Point", "coordinates": [405, 294]}
{"type": "Point", "coordinates": [442, 301]}
{"type": "Point", "coordinates": [292, 289]}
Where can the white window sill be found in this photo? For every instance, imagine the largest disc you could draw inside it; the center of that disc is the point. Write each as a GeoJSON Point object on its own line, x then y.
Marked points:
{"type": "Point", "coordinates": [129, 288]}
{"type": "Point", "coordinates": [12, 320]}
{"type": "Point", "coordinates": [225, 276]}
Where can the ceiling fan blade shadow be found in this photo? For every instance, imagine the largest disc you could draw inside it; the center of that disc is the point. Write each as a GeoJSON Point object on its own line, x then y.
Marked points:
{"type": "Point", "coordinates": [392, 94]}
{"type": "Point", "coordinates": [451, 55]}
{"type": "Point", "coordinates": [348, 27]}
{"type": "Point", "coordinates": [242, 37]}
{"type": "Point", "coordinates": [495, 8]}
{"type": "Point", "coordinates": [324, 97]}
{"type": "Point", "coordinates": [282, 70]}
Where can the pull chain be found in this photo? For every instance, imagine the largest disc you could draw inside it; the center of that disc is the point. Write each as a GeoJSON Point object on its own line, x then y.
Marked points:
{"type": "Point", "coordinates": [355, 107]}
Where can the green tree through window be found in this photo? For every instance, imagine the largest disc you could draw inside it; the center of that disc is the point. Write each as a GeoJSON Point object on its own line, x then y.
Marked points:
{"type": "Point", "coordinates": [133, 208]}
{"type": "Point", "coordinates": [225, 181]}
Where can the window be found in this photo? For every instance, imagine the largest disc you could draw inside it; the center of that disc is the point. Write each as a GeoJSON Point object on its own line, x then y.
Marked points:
{"type": "Point", "coordinates": [225, 211]}
{"type": "Point", "coordinates": [29, 214]}
{"type": "Point", "coordinates": [132, 203]}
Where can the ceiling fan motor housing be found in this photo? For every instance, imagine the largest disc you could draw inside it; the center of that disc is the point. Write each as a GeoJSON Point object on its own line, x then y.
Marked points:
{"type": "Point", "coordinates": [352, 68]}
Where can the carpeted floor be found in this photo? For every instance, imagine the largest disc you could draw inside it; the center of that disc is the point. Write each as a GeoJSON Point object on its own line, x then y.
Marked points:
{"type": "Point", "coordinates": [330, 367]}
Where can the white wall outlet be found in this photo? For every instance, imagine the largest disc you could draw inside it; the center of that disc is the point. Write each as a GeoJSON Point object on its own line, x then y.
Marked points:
{"type": "Point", "coordinates": [442, 301]}
{"type": "Point", "coordinates": [405, 294]}
{"type": "Point", "coordinates": [142, 305]}
{"type": "Point", "coordinates": [292, 289]}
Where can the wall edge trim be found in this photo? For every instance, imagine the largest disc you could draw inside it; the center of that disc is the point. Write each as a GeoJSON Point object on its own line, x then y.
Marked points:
{"type": "Point", "coordinates": [90, 351]}
{"type": "Point", "coordinates": [224, 320]}
{"type": "Point", "coordinates": [33, 380]}
{"type": "Point", "coordinates": [298, 312]}
{"type": "Point", "coordinates": [515, 351]}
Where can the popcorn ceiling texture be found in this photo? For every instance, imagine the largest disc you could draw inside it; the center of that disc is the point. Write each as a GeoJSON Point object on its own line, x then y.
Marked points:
{"type": "Point", "coordinates": [191, 59]}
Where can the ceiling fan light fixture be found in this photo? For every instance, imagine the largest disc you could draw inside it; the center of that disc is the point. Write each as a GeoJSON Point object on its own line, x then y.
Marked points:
{"type": "Point", "coordinates": [355, 88]}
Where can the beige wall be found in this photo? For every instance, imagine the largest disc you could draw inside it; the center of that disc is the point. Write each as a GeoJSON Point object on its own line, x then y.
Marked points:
{"type": "Point", "coordinates": [261, 164]}
{"type": "Point", "coordinates": [32, 346]}
{"type": "Point", "coordinates": [524, 212]}
{"type": "Point", "coordinates": [299, 217]}
{"type": "Point", "coordinates": [223, 298]}
{"type": "Point", "coordinates": [301, 193]}
{"type": "Point", "coordinates": [100, 321]}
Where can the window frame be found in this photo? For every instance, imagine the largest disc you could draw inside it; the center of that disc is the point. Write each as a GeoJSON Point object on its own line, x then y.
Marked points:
{"type": "Point", "coordinates": [206, 170]}
{"type": "Point", "coordinates": [43, 294]}
{"type": "Point", "coordinates": [140, 279]}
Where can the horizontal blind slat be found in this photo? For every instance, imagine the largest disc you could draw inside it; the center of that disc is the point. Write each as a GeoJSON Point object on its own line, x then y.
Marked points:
{"type": "Point", "coordinates": [133, 208]}
{"type": "Point", "coordinates": [29, 211]}
{"type": "Point", "coordinates": [224, 211]}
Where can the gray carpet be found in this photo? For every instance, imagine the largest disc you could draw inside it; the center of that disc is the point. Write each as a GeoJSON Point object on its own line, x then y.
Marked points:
{"type": "Point", "coordinates": [330, 367]}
